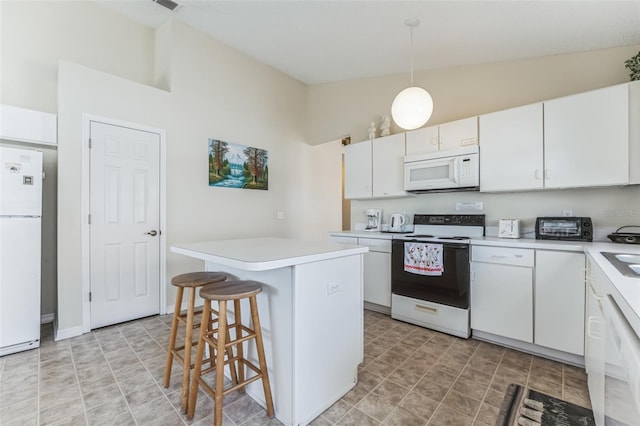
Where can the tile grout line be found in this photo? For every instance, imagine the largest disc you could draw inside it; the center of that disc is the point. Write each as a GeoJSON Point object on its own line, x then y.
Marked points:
{"type": "Point", "coordinates": [75, 372]}
{"type": "Point", "coordinates": [166, 397]}
{"type": "Point", "coordinates": [113, 374]}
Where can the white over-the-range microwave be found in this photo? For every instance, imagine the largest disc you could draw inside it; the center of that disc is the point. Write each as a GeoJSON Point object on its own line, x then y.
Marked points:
{"type": "Point", "coordinates": [456, 170]}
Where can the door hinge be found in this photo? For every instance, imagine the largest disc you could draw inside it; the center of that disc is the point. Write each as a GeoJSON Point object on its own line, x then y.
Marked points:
{"type": "Point", "coordinates": [89, 143]}
{"type": "Point", "coordinates": [89, 218]}
{"type": "Point", "coordinates": [89, 296]}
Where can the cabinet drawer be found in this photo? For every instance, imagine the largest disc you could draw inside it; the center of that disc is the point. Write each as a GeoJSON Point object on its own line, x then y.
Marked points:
{"type": "Point", "coordinates": [376, 244]}
{"type": "Point", "coordinates": [503, 255]}
{"type": "Point", "coordinates": [344, 240]}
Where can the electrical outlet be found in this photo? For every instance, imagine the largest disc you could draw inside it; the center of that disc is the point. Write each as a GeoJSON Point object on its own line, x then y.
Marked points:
{"type": "Point", "coordinates": [280, 215]}
{"type": "Point", "coordinates": [567, 212]}
{"type": "Point", "coordinates": [333, 289]}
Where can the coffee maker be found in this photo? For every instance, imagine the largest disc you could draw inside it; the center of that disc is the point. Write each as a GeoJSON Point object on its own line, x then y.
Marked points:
{"type": "Point", "coordinates": [374, 220]}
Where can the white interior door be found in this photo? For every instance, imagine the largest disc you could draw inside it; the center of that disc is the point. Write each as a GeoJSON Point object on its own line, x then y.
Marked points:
{"type": "Point", "coordinates": [124, 223]}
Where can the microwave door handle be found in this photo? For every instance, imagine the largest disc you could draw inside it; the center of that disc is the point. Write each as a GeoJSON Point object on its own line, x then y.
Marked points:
{"type": "Point", "coordinates": [456, 166]}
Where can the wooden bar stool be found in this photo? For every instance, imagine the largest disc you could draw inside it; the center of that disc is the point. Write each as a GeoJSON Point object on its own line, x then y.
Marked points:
{"type": "Point", "coordinates": [219, 338]}
{"type": "Point", "coordinates": [192, 281]}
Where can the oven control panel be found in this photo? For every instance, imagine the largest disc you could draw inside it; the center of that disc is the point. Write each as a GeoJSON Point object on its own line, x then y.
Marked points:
{"type": "Point", "coordinates": [460, 220]}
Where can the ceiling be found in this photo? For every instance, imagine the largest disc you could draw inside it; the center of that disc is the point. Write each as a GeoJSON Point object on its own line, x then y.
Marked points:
{"type": "Point", "coordinates": [318, 41]}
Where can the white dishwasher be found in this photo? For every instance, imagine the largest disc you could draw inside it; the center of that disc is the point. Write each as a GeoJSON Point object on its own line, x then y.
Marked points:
{"type": "Point", "coordinates": [622, 369]}
{"type": "Point", "coordinates": [502, 287]}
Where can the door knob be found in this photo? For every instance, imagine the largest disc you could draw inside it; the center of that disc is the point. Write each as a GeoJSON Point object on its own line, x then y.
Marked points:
{"type": "Point", "coordinates": [153, 233]}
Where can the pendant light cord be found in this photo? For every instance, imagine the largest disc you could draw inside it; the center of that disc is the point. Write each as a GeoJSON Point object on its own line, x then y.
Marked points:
{"type": "Point", "coordinates": [411, 52]}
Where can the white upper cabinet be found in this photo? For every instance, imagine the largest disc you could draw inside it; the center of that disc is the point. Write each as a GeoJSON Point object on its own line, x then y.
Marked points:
{"type": "Point", "coordinates": [443, 137]}
{"type": "Point", "coordinates": [388, 166]}
{"type": "Point", "coordinates": [512, 149]}
{"type": "Point", "coordinates": [422, 141]}
{"type": "Point", "coordinates": [459, 133]}
{"type": "Point", "coordinates": [586, 139]}
{"type": "Point", "coordinates": [26, 125]}
{"type": "Point", "coordinates": [375, 169]}
{"type": "Point", "coordinates": [357, 170]}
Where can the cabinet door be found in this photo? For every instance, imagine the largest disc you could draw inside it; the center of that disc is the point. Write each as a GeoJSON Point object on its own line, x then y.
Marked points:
{"type": "Point", "coordinates": [422, 141]}
{"type": "Point", "coordinates": [357, 170]}
{"type": "Point", "coordinates": [560, 295]}
{"type": "Point", "coordinates": [512, 149]}
{"type": "Point", "coordinates": [594, 351]}
{"type": "Point", "coordinates": [388, 166]}
{"type": "Point", "coordinates": [586, 139]}
{"type": "Point", "coordinates": [377, 278]}
{"type": "Point", "coordinates": [502, 300]}
{"type": "Point", "coordinates": [456, 134]}
{"type": "Point", "coordinates": [344, 240]}
{"type": "Point", "coordinates": [26, 125]}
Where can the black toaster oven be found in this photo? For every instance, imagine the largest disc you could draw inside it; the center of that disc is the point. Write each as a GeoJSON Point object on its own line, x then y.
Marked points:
{"type": "Point", "coordinates": [567, 228]}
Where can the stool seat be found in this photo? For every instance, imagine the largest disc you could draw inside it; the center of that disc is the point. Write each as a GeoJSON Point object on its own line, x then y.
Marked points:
{"type": "Point", "coordinates": [231, 290]}
{"type": "Point", "coordinates": [197, 279]}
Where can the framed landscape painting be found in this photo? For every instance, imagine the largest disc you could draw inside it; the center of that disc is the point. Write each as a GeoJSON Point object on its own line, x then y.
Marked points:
{"type": "Point", "coordinates": [233, 165]}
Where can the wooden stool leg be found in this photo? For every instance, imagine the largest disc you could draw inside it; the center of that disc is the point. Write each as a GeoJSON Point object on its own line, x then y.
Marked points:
{"type": "Point", "coordinates": [172, 338]}
{"type": "Point", "coordinates": [187, 350]}
{"type": "Point", "coordinates": [239, 348]}
{"type": "Point", "coordinates": [261, 358]}
{"type": "Point", "coordinates": [232, 361]}
{"type": "Point", "coordinates": [222, 334]}
{"type": "Point", "coordinates": [197, 369]}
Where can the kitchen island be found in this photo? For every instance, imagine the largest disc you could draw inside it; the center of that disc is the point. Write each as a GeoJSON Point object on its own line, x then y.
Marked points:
{"type": "Point", "coordinates": [311, 312]}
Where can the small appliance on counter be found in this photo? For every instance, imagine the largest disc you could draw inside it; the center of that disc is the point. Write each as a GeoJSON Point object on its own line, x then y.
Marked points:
{"type": "Point", "coordinates": [374, 220]}
{"type": "Point", "coordinates": [509, 228]}
{"type": "Point", "coordinates": [568, 228]}
{"type": "Point", "coordinates": [397, 220]}
{"type": "Point", "coordinates": [625, 237]}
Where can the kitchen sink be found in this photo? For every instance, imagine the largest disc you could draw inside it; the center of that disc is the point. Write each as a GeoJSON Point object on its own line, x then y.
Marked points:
{"type": "Point", "coordinates": [627, 264]}
{"type": "Point", "coordinates": [628, 258]}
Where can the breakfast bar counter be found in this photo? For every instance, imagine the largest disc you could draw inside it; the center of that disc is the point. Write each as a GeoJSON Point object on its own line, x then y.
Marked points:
{"type": "Point", "coordinates": [311, 312]}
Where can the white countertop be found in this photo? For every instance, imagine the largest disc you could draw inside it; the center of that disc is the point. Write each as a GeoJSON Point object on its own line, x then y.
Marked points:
{"type": "Point", "coordinates": [626, 290]}
{"type": "Point", "coordinates": [261, 254]}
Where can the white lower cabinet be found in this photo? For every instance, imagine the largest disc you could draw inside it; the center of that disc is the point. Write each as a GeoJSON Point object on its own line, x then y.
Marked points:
{"type": "Point", "coordinates": [545, 308]}
{"type": "Point", "coordinates": [377, 271]}
{"type": "Point", "coordinates": [377, 268]}
{"type": "Point", "coordinates": [502, 292]}
{"type": "Point", "coordinates": [559, 301]}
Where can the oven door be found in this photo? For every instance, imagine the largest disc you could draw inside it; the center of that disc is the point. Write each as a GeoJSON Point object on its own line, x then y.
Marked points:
{"type": "Point", "coordinates": [451, 288]}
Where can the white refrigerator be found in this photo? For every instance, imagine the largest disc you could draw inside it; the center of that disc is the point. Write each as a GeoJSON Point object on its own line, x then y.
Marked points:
{"type": "Point", "coordinates": [20, 237]}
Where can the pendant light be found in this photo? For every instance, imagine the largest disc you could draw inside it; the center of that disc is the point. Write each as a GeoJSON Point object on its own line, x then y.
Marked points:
{"type": "Point", "coordinates": [413, 106]}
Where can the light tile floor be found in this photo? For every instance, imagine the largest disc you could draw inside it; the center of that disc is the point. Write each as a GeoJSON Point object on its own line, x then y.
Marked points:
{"type": "Point", "coordinates": [410, 376]}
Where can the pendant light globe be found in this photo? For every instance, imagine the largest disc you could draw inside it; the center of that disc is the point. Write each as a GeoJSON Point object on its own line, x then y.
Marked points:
{"type": "Point", "coordinates": [412, 108]}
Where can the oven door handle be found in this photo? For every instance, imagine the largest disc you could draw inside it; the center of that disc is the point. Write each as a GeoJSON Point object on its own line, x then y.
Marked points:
{"type": "Point", "coordinates": [456, 246]}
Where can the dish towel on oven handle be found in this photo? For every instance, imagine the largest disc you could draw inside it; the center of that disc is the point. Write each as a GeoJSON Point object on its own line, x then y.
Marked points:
{"type": "Point", "coordinates": [423, 259]}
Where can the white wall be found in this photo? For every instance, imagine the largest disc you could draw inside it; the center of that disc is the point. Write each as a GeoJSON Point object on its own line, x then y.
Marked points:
{"type": "Point", "coordinates": [34, 35]}
{"type": "Point", "coordinates": [347, 108]}
{"type": "Point", "coordinates": [210, 91]}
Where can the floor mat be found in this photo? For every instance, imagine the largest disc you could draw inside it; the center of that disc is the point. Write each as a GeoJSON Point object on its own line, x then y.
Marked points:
{"type": "Point", "coordinates": [525, 407]}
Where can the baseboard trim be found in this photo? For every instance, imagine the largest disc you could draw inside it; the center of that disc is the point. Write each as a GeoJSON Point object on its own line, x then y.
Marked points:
{"type": "Point", "coordinates": [530, 348]}
{"type": "Point", "coordinates": [66, 333]}
{"type": "Point", "coordinates": [377, 308]}
{"type": "Point", "coordinates": [47, 318]}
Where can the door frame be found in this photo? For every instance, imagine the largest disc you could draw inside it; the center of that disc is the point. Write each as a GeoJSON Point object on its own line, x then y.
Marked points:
{"type": "Point", "coordinates": [86, 207]}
